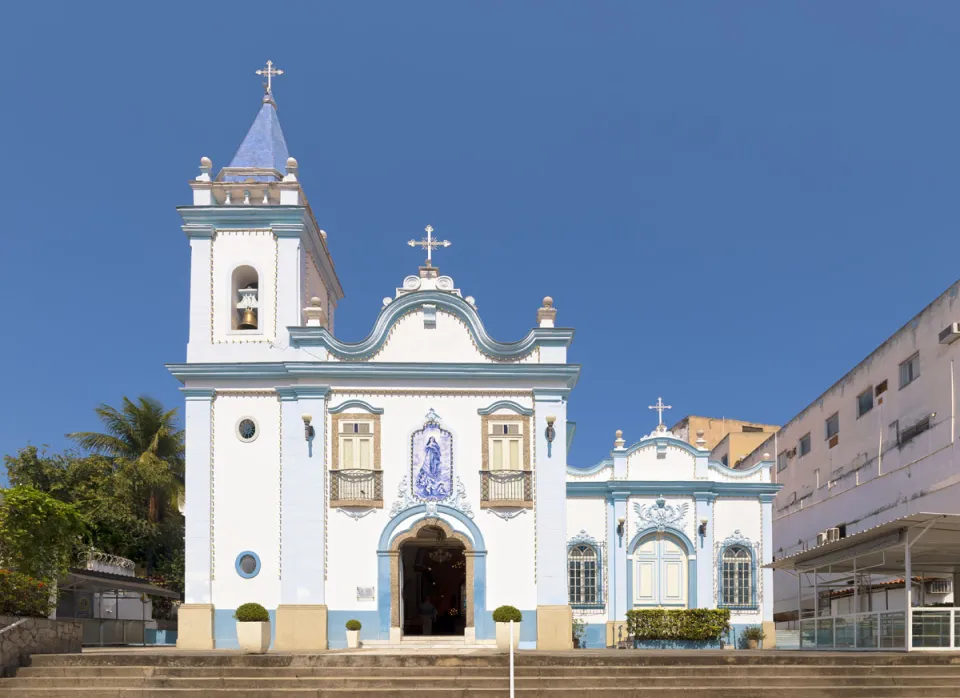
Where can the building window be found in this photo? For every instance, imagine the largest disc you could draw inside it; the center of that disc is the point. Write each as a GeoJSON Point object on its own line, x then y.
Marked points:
{"type": "Point", "coordinates": [833, 429]}
{"type": "Point", "coordinates": [910, 370]}
{"type": "Point", "coordinates": [725, 460]}
{"type": "Point", "coordinates": [583, 565]}
{"type": "Point", "coordinates": [881, 388]}
{"type": "Point", "coordinates": [781, 461]}
{"type": "Point", "coordinates": [864, 402]}
{"type": "Point", "coordinates": [506, 442]}
{"type": "Point", "coordinates": [803, 446]}
{"type": "Point", "coordinates": [247, 429]}
{"type": "Point", "coordinates": [736, 578]}
{"type": "Point", "coordinates": [910, 433]}
{"type": "Point", "coordinates": [751, 429]}
{"type": "Point", "coordinates": [356, 445]}
{"type": "Point", "coordinates": [248, 564]}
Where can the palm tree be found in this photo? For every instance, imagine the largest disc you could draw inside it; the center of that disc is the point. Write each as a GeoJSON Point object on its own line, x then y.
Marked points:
{"type": "Point", "coordinates": [142, 431]}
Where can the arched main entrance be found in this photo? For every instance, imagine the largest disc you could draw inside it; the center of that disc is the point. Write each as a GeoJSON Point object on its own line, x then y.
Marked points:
{"type": "Point", "coordinates": [432, 580]}
{"type": "Point", "coordinates": [433, 585]}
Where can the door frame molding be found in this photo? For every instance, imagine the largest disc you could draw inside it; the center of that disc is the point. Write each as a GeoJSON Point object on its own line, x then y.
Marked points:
{"type": "Point", "coordinates": [689, 549]}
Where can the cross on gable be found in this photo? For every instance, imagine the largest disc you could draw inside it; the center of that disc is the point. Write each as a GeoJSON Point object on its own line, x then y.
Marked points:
{"type": "Point", "coordinates": [660, 407]}
{"type": "Point", "coordinates": [429, 243]}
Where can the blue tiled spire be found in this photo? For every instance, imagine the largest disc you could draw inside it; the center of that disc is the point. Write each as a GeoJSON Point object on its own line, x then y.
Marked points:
{"type": "Point", "coordinates": [263, 147]}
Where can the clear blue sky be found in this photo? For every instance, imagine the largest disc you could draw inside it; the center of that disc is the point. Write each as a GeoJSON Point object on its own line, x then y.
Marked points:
{"type": "Point", "coordinates": [732, 203]}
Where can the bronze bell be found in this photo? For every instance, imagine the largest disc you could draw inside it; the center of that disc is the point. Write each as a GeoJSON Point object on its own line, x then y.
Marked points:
{"type": "Point", "coordinates": [249, 319]}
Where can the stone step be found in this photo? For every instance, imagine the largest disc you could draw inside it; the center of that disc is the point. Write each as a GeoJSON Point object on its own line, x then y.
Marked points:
{"type": "Point", "coordinates": [413, 683]}
{"type": "Point", "coordinates": [793, 672]}
{"type": "Point", "coordinates": [694, 691]}
{"type": "Point", "coordinates": [484, 658]}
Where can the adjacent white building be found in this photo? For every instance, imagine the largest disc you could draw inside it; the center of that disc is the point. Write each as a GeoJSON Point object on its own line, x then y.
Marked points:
{"type": "Point", "coordinates": [878, 445]}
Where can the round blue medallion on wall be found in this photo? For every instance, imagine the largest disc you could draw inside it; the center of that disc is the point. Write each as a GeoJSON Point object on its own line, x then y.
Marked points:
{"type": "Point", "coordinates": [248, 564]}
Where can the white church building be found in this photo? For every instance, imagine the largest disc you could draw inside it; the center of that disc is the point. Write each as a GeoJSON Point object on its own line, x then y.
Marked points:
{"type": "Point", "coordinates": [417, 479]}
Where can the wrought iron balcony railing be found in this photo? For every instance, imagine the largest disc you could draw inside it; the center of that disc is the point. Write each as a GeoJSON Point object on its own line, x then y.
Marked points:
{"type": "Point", "coordinates": [506, 488]}
{"type": "Point", "coordinates": [356, 488]}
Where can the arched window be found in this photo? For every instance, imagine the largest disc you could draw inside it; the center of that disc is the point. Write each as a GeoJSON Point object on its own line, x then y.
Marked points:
{"type": "Point", "coordinates": [245, 299]}
{"type": "Point", "coordinates": [583, 573]}
{"type": "Point", "coordinates": [736, 578]}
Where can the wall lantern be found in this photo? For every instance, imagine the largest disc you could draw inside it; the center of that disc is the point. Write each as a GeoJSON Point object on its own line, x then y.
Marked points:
{"type": "Point", "coordinates": [550, 434]}
{"type": "Point", "coordinates": [308, 430]}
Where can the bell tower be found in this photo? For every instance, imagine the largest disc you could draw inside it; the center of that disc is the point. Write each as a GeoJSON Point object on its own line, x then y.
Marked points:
{"type": "Point", "coordinates": [259, 261]}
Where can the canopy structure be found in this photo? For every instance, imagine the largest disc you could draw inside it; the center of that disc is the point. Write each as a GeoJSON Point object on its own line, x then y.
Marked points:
{"type": "Point", "coordinates": [100, 582]}
{"type": "Point", "coordinates": [923, 545]}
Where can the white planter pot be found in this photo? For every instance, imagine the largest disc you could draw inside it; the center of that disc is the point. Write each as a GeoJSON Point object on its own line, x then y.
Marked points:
{"type": "Point", "coordinates": [353, 639]}
{"type": "Point", "coordinates": [254, 638]}
{"type": "Point", "coordinates": [503, 636]}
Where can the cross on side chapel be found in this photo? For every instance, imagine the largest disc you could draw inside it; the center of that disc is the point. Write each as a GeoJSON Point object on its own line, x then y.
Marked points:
{"type": "Point", "coordinates": [429, 243]}
{"type": "Point", "coordinates": [660, 407]}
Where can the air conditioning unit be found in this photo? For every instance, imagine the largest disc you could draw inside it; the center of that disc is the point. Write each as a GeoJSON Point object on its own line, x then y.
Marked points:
{"type": "Point", "coordinates": [939, 586]}
{"type": "Point", "coordinates": [832, 534]}
{"type": "Point", "coordinates": [950, 333]}
{"type": "Point", "coordinates": [792, 452]}
{"type": "Point", "coordinates": [821, 538]}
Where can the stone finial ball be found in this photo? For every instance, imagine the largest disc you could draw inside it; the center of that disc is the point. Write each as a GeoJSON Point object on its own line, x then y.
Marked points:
{"type": "Point", "coordinates": [766, 456]}
{"type": "Point", "coordinates": [206, 162]}
{"type": "Point", "coordinates": [315, 301]}
{"type": "Point", "coordinates": [323, 234]}
{"type": "Point", "coordinates": [700, 433]}
{"type": "Point", "coordinates": [292, 164]}
{"type": "Point", "coordinates": [619, 433]}
{"type": "Point", "coordinates": [547, 302]}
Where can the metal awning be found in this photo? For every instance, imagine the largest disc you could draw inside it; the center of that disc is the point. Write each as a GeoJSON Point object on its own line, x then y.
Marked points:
{"type": "Point", "coordinates": [92, 581]}
{"type": "Point", "coordinates": [934, 548]}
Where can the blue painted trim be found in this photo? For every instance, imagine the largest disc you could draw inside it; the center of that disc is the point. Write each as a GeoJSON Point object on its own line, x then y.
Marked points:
{"type": "Point", "coordinates": [754, 604]}
{"type": "Point", "coordinates": [506, 405]}
{"type": "Point", "coordinates": [567, 374]}
{"type": "Point", "coordinates": [606, 488]}
{"type": "Point", "coordinates": [198, 393]}
{"type": "Point", "coordinates": [388, 530]}
{"type": "Point", "coordinates": [735, 472]}
{"type": "Point", "coordinates": [663, 441]}
{"type": "Point", "coordinates": [289, 393]}
{"type": "Point", "coordinates": [571, 432]}
{"type": "Point", "coordinates": [598, 550]}
{"type": "Point", "coordinates": [360, 404]}
{"type": "Point", "coordinates": [590, 470]}
{"type": "Point", "coordinates": [391, 313]}
{"type": "Point", "coordinates": [691, 563]}
{"type": "Point", "coordinates": [256, 570]}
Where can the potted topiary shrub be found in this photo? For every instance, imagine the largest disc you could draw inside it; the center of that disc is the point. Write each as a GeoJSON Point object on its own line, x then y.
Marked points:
{"type": "Point", "coordinates": [353, 634]}
{"type": "Point", "coordinates": [754, 635]}
{"type": "Point", "coordinates": [502, 617]}
{"type": "Point", "coordinates": [253, 628]}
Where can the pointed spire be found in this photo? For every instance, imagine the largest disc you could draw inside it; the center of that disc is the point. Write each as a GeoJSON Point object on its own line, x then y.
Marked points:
{"type": "Point", "coordinates": [264, 146]}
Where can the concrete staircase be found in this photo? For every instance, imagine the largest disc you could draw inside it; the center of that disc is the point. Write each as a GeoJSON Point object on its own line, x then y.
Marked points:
{"type": "Point", "coordinates": [599, 673]}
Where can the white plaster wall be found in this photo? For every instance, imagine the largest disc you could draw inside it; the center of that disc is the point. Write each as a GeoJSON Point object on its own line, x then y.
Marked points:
{"type": "Point", "coordinates": [234, 248]}
{"type": "Point", "coordinates": [352, 545]}
{"type": "Point", "coordinates": [246, 494]}
{"type": "Point", "coordinates": [731, 514]}
{"type": "Point", "coordinates": [643, 464]}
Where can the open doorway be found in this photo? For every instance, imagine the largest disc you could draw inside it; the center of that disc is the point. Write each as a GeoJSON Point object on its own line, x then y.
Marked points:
{"type": "Point", "coordinates": [434, 584]}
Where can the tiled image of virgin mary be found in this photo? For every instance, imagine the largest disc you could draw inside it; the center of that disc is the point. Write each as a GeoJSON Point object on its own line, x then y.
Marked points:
{"type": "Point", "coordinates": [432, 464]}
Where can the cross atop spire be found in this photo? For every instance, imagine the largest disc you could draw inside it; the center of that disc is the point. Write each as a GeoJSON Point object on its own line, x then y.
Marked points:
{"type": "Point", "coordinates": [269, 72]}
{"type": "Point", "coordinates": [429, 243]}
{"type": "Point", "coordinates": [660, 407]}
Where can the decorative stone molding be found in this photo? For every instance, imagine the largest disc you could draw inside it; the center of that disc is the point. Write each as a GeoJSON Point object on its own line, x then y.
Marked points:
{"type": "Point", "coordinates": [661, 515]}
{"type": "Point", "coordinates": [457, 500]}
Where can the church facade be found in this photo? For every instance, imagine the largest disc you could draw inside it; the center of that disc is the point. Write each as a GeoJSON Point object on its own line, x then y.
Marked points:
{"type": "Point", "coordinates": [417, 479]}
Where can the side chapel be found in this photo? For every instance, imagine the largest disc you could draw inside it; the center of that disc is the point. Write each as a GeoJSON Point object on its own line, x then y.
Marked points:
{"type": "Point", "coordinates": [417, 479]}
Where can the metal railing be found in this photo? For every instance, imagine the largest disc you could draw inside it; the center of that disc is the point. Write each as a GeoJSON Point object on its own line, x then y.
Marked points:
{"type": "Point", "coordinates": [511, 486]}
{"type": "Point", "coordinates": [936, 628]}
{"type": "Point", "coordinates": [356, 487]}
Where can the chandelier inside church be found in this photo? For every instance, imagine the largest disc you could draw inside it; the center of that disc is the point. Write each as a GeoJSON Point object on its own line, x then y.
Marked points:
{"type": "Point", "coordinates": [440, 555]}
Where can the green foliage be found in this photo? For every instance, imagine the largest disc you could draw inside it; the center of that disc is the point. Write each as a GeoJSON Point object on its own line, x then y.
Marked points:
{"type": "Point", "coordinates": [38, 534]}
{"type": "Point", "coordinates": [22, 595]}
{"type": "Point", "coordinates": [753, 632]}
{"type": "Point", "coordinates": [252, 613]}
{"type": "Point", "coordinates": [677, 624]}
{"type": "Point", "coordinates": [353, 624]}
{"type": "Point", "coordinates": [505, 614]}
{"type": "Point", "coordinates": [579, 628]}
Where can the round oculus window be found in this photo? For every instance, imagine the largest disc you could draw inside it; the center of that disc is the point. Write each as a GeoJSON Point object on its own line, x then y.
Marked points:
{"type": "Point", "coordinates": [248, 565]}
{"type": "Point", "coordinates": [247, 429]}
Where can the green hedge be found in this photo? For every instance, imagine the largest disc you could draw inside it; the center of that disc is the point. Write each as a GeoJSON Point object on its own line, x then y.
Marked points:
{"type": "Point", "coordinates": [252, 613]}
{"type": "Point", "coordinates": [21, 595]}
{"type": "Point", "coordinates": [677, 624]}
